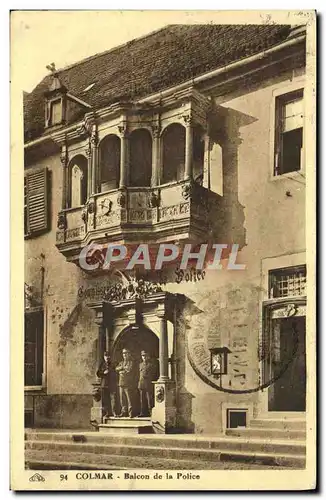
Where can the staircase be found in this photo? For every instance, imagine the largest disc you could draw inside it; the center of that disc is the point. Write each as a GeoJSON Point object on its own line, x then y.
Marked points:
{"type": "Point", "coordinates": [265, 443]}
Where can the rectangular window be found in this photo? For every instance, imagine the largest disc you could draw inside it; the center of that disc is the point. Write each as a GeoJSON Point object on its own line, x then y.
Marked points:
{"type": "Point", "coordinates": [288, 282]}
{"type": "Point", "coordinates": [56, 112]}
{"type": "Point", "coordinates": [236, 418]}
{"type": "Point", "coordinates": [33, 361]}
{"type": "Point", "coordinates": [36, 202]}
{"type": "Point", "coordinates": [289, 132]}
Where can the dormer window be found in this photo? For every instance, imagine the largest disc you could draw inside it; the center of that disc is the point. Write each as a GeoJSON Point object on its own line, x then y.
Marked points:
{"type": "Point", "coordinates": [55, 112]}
{"type": "Point", "coordinates": [55, 100]}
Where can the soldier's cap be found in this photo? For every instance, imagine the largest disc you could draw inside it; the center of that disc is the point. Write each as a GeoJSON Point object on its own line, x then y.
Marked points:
{"type": "Point", "coordinates": [106, 353]}
{"type": "Point", "coordinates": [143, 353]}
{"type": "Point", "coordinates": [125, 351]}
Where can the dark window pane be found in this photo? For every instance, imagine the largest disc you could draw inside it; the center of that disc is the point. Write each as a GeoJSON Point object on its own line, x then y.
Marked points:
{"type": "Point", "coordinates": [140, 158]}
{"type": "Point", "coordinates": [30, 375]}
{"type": "Point", "coordinates": [291, 150]}
{"type": "Point", "coordinates": [33, 348]}
{"type": "Point", "coordinates": [30, 352]}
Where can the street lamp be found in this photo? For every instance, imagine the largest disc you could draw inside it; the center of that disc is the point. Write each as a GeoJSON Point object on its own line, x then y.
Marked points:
{"type": "Point", "coordinates": [219, 360]}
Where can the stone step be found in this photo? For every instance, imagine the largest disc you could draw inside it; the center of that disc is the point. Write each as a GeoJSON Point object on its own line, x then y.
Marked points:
{"type": "Point", "coordinates": [55, 459]}
{"type": "Point", "coordinates": [269, 433]}
{"type": "Point", "coordinates": [166, 441]}
{"type": "Point", "coordinates": [125, 425]}
{"type": "Point", "coordinates": [286, 424]}
{"type": "Point", "coordinates": [125, 429]}
{"type": "Point", "coordinates": [169, 448]}
{"type": "Point", "coordinates": [127, 421]}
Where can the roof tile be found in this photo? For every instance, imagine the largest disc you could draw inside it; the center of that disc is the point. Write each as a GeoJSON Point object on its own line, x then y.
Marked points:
{"type": "Point", "coordinates": [152, 63]}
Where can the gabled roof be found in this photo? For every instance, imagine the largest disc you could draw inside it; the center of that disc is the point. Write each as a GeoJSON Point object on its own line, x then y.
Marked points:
{"type": "Point", "coordinates": [153, 63]}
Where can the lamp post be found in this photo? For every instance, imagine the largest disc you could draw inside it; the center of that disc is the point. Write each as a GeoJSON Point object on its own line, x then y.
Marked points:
{"type": "Point", "coordinates": [219, 361]}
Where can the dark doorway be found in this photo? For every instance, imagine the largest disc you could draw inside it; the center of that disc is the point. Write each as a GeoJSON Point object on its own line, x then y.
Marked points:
{"type": "Point", "coordinates": [287, 365]}
{"type": "Point", "coordinates": [136, 339]}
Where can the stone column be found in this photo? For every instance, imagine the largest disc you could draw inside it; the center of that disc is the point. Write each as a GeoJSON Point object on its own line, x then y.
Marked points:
{"type": "Point", "coordinates": [97, 409]}
{"type": "Point", "coordinates": [94, 142]}
{"type": "Point", "coordinates": [156, 156]}
{"type": "Point", "coordinates": [164, 411]}
{"type": "Point", "coordinates": [207, 162]}
{"type": "Point", "coordinates": [64, 162]}
{"type": "Point", "coordinates": [124, 155]}
{"type": "Point", "coordinates": [164, 353]}
{"type": "Point", "coordinates": [189, 147]}
{"type": "Point", "coordinates": [88, 153]}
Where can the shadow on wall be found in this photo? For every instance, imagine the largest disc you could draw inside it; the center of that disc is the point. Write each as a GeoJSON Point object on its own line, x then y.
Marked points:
{"type": "Point", "coordinates": [225, 124]}
{"type": "Point", "coordinates": [184, 401]}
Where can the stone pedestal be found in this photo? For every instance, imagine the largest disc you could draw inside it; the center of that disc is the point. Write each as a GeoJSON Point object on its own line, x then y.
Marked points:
{"type": "Point", "coordinates": [114, 425]}
{"type": "Point", "coordinates": [97, 408]}
{"type": "Point", "coordinates": [164, 411]}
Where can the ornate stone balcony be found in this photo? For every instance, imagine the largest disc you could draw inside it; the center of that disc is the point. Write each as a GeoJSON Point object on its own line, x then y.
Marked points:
{"type": "Point", "coordinates": [175, 211]}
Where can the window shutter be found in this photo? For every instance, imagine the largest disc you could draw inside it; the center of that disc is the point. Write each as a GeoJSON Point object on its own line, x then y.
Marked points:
{"type": "Point", "coordinates": [37, 201]}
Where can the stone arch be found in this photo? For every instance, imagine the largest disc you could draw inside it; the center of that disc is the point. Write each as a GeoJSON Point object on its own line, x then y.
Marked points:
{"type": "Point", "coordinates": [135, 338]}
{"type": "Point", "coordinates": [109, 162]}
{"type": "Point", "coordinates": [77, 181]}
{"type": "Point", "coordinates": [173, 153]}
{"type": "Point", "coordinates": [140, 158]}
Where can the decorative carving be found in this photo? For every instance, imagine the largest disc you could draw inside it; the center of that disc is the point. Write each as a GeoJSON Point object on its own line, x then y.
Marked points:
{"type": "Point", "coordinates": [123, 130]}
{"type": "Point", "coordinates": [188, 119]}
{"type": "Point", "coordinates": [62, 221]}
{"type": "Point", "coordinates": [174, 211]}
{"type": "Point", "coordinates": [91, 207]}
{"type": "Point", "coordinates": [64, 156]}
{"type": "Point", "coordinates": [160, 393]}
{"type": "Point", "coordinates": [156, 131]}
{"type": "Point", "coordinates": [94, 137]}
{"type": "Point", "coordinates": [135, 289]}
{"type": "Point", "coordinates": [97, 396]}
{"type": "Point", "coordinates": [291, 310]}
{"type": "Point", "coordinates": [193, 191]}
{"type": "Point", "coordinates": [106, 206]}
{"type": "Point", "coordinates": [121, 200]}
{"type": "Point", "coordinates": [154, 200]}
{"type": "Point", "coordinates": [88, 150]}
{"type": "Point", "coordinates": [84, 215]}
{"type": "Point", "coordinates": [187, 191]}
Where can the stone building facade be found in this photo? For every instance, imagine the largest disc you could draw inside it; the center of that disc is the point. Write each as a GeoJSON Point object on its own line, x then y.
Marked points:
{"type": "Point", "coordinates": [192, 134]}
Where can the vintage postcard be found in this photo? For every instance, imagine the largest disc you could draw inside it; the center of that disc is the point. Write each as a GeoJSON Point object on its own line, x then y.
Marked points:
{"type": "Point", "coordinates": [163, 250]}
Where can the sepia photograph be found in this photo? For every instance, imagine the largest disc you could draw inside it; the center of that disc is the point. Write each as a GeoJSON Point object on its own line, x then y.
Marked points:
{"type": "Point", "coordinates": [164, 187]}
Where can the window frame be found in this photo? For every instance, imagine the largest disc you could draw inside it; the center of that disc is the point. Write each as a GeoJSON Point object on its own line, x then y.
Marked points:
{"type": "Point", "coordinates": [273, 273]}
{"type": "Point", "coordinates": [33, 233]}
{"type": "Point", "coordinates": [279, 92]}
{"type": "Point", "coordinates": [37, 310]}
{"type": "Point", "coordinates": [49, 111]}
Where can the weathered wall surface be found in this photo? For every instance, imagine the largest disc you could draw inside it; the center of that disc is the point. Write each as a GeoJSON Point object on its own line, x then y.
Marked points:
{"type": "Point", "coordinates": [229, 302]}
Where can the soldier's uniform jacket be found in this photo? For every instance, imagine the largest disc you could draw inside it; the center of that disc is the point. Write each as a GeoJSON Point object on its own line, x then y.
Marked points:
{"type": "Point", "coordinates": [108, 380]}
{"type": "Point", "coordinates": [147, 373]}
{"type": "Point", "coordinates": [127, 373]}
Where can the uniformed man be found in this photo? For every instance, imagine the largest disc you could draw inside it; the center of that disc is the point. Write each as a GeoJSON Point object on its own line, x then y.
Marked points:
{"type": "Point", "coordinates": [147, 373]}
{"type": "Point", "coordinates": [127, 377]}
{"type": "Point", "coordinates": [108, 376]}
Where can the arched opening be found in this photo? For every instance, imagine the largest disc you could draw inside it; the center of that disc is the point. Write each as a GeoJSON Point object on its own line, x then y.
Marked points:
{"type": "Point", "coordinates": [109, 159]}
{"type": "Point", "coordinates": [136, 339]}
{"type": "Point", "coordinates": [173, 140]}
{"type": "Point", "coordinates": [77, 181]}
{"type": "Point", "coordinates": [198, 154]}
{"type": "Point", "coordinates": [140, 158]}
